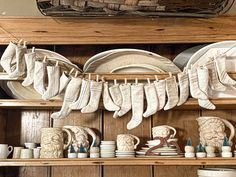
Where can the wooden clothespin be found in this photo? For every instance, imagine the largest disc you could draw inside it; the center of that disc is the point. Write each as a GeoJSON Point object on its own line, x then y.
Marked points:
{"type": "Point", "coordinates": [125, 80]}
{"type": "Point", "coordinates": [136, 80]}
{"type": "Point", "coordinates": [89, 76]}
{"type": "Point", "coordinates": [115, 81]}
{"type": "Point", "coordinates": [76, 73]}
{"type": "Point", "coordinates": [45, 59]}
{"type": "Point", "coordinates": [71, 71]}
{"type": "Point", "coordinates": [156, 78]}
{"type": "Point", "coordinates": [33, 49]}
{"type": "Point", "coordinates": [148, 80]}
{"type": "Point", "coordinates": [97, 78]}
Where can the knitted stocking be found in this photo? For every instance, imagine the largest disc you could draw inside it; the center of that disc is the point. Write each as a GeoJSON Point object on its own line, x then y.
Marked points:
{"type": "Point", "coordinates": [107, 101]}
{"type": "Point", "coordinates": [126, 97]}
{"type": "Point", "coordinates": [116, 97]}
{"type": "Point", "coordinates": [64, 80]}
{"type": "Point", "coordinates": [172, 93]}
{"type": "Point", "coordinates": [39, 76]}
{"type": "Point", "coordinates": [29, 60]}
{"type": "Point", "coordinates": [7, 57]}
{"type": "Point", "coordinates": [20, 62]}
{"type": "Point", "coordinates": [83, 99]}
{"type": "Point", "coordinates": [221, 70]}
{"type": "Point", "coordinates": [194, 85]}
{"type": "Point", "coordinates": [71, 94]}
{"type": "Point", "coordinates": [161, 93]}
{"type": "Point", "coordinates": [53, 82]}
{"type": "Point", "coordinates": [95, 94]}
{"type": "Point", "coordinates": [183, 87]}
{"type": "Point", "coordinates": [215, 84]}
{"type": "Point", "coordinates": [152, 100]}
{"type": "Point", "coordinates": [137, 99]}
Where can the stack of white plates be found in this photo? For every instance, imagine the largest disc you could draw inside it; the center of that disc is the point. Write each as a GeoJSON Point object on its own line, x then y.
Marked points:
{"type": "Point", "coordinates": [107, 149]}
{"type": "Point", "coordinates": [125, 154]}
{"type": "Point", "coordinates": [216, 172]}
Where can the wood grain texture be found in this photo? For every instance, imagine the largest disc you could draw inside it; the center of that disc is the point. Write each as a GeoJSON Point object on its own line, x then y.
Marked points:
{"type": "Point", "coordinates": [113, 127]}
{"type": "Point", "coordinates": [31, 123]}
{"type": "Point", "coordinates": [76, 118]}
{"type": "Point", "coordinates": [186, 126]}
{"type": "Point", "coordinates": [116, 30]}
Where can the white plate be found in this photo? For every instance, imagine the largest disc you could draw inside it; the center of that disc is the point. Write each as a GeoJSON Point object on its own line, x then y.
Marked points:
{"type": "Point", "coordinates": [136, 68]}
{"type": "Point", "coordinates": [130, 57]}
{"type": "Point", "coordinates": [216, 172]}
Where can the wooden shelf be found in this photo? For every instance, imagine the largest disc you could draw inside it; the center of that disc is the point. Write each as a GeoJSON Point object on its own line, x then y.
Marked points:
{"type": "Point", "coordinates": [113, 30]}
{"type": "Point", "coordinates": [119, 161]}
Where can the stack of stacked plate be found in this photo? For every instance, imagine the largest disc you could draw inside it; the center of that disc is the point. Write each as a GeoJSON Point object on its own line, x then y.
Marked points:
{"type": "Point", "coordinates": [165, 151]}
{"type": "Point", "coordinates": [125, 154]}
{"type": "Point", "coordinates": [107, 149]}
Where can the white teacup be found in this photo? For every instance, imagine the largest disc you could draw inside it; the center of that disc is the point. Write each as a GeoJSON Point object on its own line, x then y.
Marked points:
{"type": "Point", "coordinates": [5, 150]}
{"type": "Point", "coordinates": [163, 131]}
{"type": "Point", "coordinates": [30, 145]}
{"type": "Point", "coordinates": [125, 142]}
{"type": "Point", "coordinates": [26, 154]}
{"type": "Point", "coordinates": [16, 152]}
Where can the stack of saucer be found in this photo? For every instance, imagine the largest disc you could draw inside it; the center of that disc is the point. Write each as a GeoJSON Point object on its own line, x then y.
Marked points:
{"type": "Point", "coordinates": [125, 154]}
{"type": "Point", "coordinates": [107, 149]}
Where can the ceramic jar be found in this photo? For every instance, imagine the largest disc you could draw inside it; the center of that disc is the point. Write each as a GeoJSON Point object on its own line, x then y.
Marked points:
{"type": "Point", "coordinates": [52, 142]}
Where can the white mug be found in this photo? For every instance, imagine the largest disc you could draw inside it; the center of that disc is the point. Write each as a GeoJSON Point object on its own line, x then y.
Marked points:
{"type": "Point", "coordinates": [5, 150]}
{"type": "Point", "coordinates": [125, 142]}
{"type": "Point", "coordinates": [16, 152]}
{"type": "Point", "coordinates": [26, 154]}
{"type": "Point", "coordinates": [163, 131]}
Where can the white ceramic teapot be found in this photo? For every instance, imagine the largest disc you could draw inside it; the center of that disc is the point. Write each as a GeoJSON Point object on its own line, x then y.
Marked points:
{"type": "Point", "coordinates": [212, 131]}
{"type": "Point", "coordinates": [80, 136]}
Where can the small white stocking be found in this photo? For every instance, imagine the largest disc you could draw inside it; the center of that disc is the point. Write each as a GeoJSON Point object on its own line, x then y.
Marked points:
{"type": "Point", "coordinates": [20, 62]}
{"type": "Point", "coordinates": [183, 87]}
{"type": "Point", "coordinates": [221, 70]}
{"type": "Point", "coordinates": [83, 99]}
{"type": "Point", "coordinates": [71, 94]}
{"type": "Point", "coordinates": [215, 83]}
{"type": "Point", "coordinates": [152, 100]}
{"type": "Point", "coordinates": [64, 80]}
{"type": "Point", "coordinates": [95, 94]}
{"type": "Point", "coordinates": [172, 93]}
{"type": "Point", "coordinates": [107, 101]}
{"type": "Point", "coordinates": [126, 99]}
{"type": "Point", "coordinates": [194, 85]}
{"type": "Point", "coordinates": [7, 57]}
{"type": "Point", "coordinates": [116, 97]}
{"type": "Point", "coordinates": [161, 93]}
{"type": "Point", "coordinates": [137, 100]}
{"type": "Point", "coordinates": [39, 76]}
{"type": "Point", "coordinates": [53, 82]}
{"type": "Point", "coordinates": [29, 60]}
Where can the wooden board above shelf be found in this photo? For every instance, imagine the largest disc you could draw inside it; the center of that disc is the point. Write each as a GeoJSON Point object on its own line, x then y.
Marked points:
{"type": "Point", "coordinates": [113, 30]}
{"type": "Point", "coordinates": [119, 161]}
{"type": "Point", "coordinates": [191, 104]}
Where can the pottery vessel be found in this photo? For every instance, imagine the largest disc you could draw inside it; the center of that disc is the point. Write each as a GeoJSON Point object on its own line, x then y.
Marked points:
{"type": "Point", "coordinates": [52, 142]}
{"type": "Point", "coordinates": [80, 136]}
{"type": "Point", "coordinates": [212, 131]}
{"type": "Point", "coordinates": [125, 142]}
{"type": "Point", "coordinates": [163, 131]}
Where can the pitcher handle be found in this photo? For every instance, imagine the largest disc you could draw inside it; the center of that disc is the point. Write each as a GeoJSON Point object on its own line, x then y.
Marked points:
{"type": "Point", "coordinates": [10, 149]}
{"type": "Point", "coordinates": [69, 138]}
{"type": "Point", "coordinates": [138, 141]}
{"type": "Point", "coordinates": [92, 134]}
{"type": "Point", "coordinates": [173, 129]}
{"type": "Point", "coordinates": [232, 130]}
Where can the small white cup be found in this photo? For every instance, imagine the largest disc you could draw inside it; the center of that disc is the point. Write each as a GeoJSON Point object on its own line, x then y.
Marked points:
{"type": "Point", "coordinates": [36, 153]}
{"type": "Point", "coordinates": [82, 155]}
{"type": "Point", "coordinates": [189, 155]}
{"type": "Point", "coordinates": [5, 150]}
{"type": "Point", "coordinates": [226, 154]}
{"type": "Point", "coordinates": [72, 155]}
{"type": "Point", "coordinates": [189, 149]}
{"type": "Point", "coordinates": [16, 152]}
{"type": "Point", "coordinates": [26, 154]}
{"type": "Point", "coordinates": [226, 148]}
{"type": "Point", "coordinates": [94, 150]}
{"type": "Point", "coordinates": [94, 155]}
{"type": "Point", "coordinates": [200, 154]}
{"type": "Point", "coordinates": [30, 145]}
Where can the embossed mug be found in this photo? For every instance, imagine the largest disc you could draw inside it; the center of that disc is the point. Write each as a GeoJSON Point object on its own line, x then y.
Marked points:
{"type": "Point", "coordinates": [5, 150]}
{"type": "Point", "coordinates": [125, 142]}
{"type": "Point", "coordinates": [52, 142]}
{"type": "Point", "coordinates": [163, 131]}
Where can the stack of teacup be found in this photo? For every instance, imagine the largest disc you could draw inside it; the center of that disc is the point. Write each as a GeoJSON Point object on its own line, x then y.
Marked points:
{"type": "Point", "coordinates": [107, 149]}
{"type": "Point", "coordinates": [126, 146]}
{"type": "Point", "coordinates": [30, 151]}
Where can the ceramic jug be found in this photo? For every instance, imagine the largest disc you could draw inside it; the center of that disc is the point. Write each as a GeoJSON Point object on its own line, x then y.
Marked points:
{"type": "Point", "coordinates": [163, 131]}
{"type": "Point", "coordinates": [212, 131]}
{"type": "Point", "coordinates": [52, 142]}
{"type": "Point", "coordinates": [80, 136]}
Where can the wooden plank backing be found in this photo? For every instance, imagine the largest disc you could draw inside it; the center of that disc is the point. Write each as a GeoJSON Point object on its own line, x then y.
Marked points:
{"type": "Point", "coordinates": [47, 30]}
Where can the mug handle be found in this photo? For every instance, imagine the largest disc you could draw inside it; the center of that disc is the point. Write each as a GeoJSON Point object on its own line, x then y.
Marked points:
{"type": "Point", "coordinates": [69, 138]}
{"type": "Point", "coordinates": [173, 129]}
{"type": "Point", "coordinates": [138, 141]}
{"type": "Point", "coordinates": [10, 149]}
